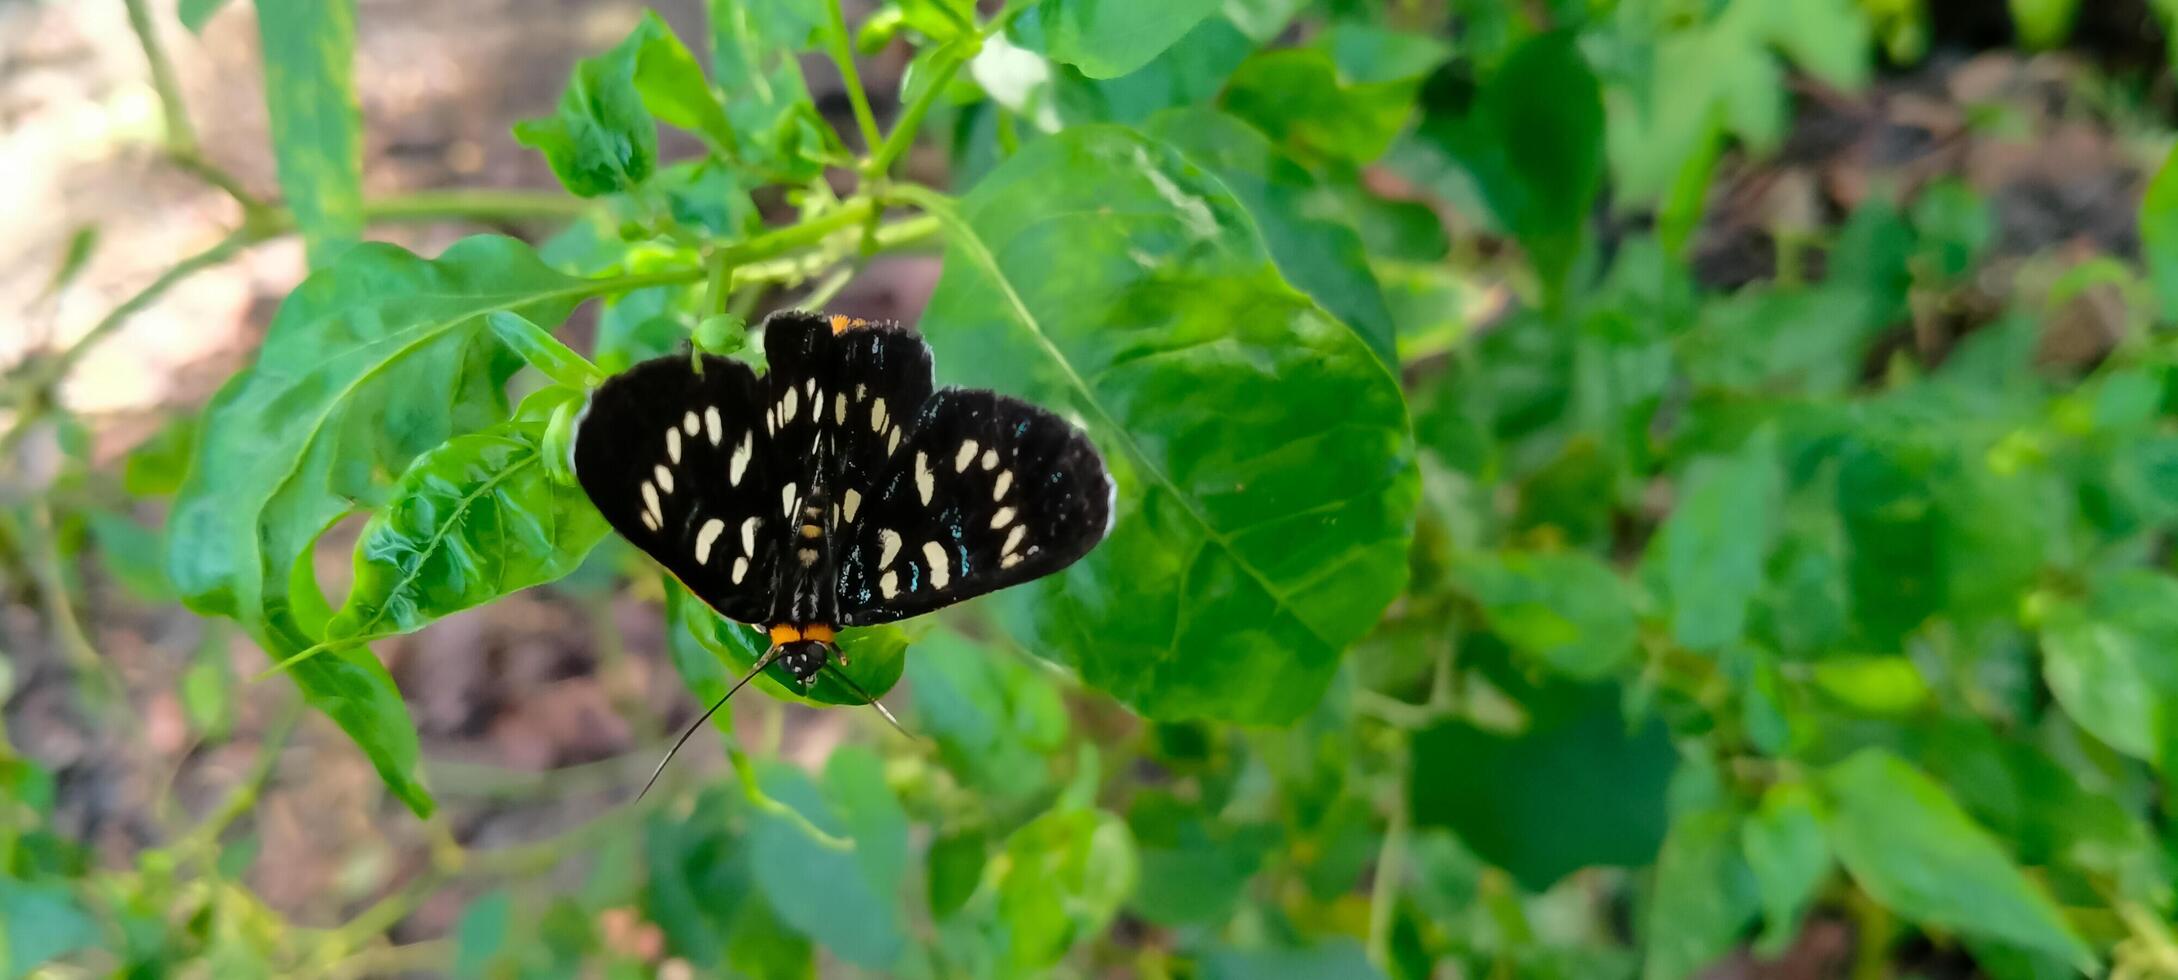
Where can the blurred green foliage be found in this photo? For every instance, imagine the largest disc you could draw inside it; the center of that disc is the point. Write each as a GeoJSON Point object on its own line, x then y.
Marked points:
{"type": "Point", "coordinates": [1492, 594]}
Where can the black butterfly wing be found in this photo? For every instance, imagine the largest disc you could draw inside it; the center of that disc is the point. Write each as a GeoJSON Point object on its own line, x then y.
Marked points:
{"type": "Point", "coordinates": [868, 379]}
{"type": "Point", "coordinates": [985, 492]}
{"type": "Point", "coordinates": [680, 464]}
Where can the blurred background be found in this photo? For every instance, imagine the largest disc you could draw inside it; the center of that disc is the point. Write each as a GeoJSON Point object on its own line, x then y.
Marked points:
{"type": "Point", "coordinates": [1784, 584]}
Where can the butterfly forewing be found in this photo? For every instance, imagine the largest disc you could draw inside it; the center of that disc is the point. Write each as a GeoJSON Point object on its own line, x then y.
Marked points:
{"type": "Point", "coordinates": [680, 463]}
{"type": "Point", "coordinates": [984, 492]}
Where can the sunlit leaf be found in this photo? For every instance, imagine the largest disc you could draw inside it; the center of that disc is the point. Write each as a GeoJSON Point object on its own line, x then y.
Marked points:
{"type": "Point", "coordinates": [317, 123]}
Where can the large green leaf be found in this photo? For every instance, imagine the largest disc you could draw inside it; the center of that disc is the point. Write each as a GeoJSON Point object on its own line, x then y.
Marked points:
{"type": "Point", "coordinates": [1322, 256]}
{"type": "Point", "coordinates": [472, 520]}
{"type": "Point", "coordinates": [2110, 661]}
{"type": "Point", "coordinates": [1299, 98]}
{"type": "Point", "coordinates": [317, 124]}
{"type": "Point", "coordinates": [368, 363]}
{"type": "Point", "coordinates": [1568, 610]}
{"type": "Point", "coordinates": [1785, 848]}
{"type": "Point", "coordinates": [1911, 848]}
{"type": "Point", "coordinates": [1531, 140]}
{"type": "Point", "coordinates": [1106, 275]}
{"type": "Point", "coordinates": [995, 718]}
{"type": "Point", "coordinates": [1106, 39]}
{"type": "Point", "coordinates": [1712, 548]}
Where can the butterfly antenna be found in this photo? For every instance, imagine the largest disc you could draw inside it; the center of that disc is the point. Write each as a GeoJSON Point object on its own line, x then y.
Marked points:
{"type": "Point", "coordinates": [761, 663]}
{"type": "Point", "coordinates": [872, 702]}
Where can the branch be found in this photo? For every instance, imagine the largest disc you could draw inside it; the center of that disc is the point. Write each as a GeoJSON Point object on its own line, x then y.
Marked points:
{"type": "Point", "coordinates": [842, 53]}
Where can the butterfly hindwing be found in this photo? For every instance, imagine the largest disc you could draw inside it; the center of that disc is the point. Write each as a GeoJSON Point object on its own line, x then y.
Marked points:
{"type": "Point", "coordinates": [985, 492]}
{"type": "Point", "coordinates": [871, 377]}
{"type": "Point", "coordinates": [680, 464]}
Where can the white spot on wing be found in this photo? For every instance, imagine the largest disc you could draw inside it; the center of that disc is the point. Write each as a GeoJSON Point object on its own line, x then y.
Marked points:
{"type": "Point", "coordinates": [1013, 539]}
{"type": "Point", "coordinates": [889, 584]}
{"type": "Point", "coordinates": [892, 444]}
{"type": "Point", "coordinates": [711, 425]}
{"type": "Point", "coordinates": [786, 407]}
{"type": "Point", "coordinates": [664, 477]}
{"type": "Point", "coordinates": [1005, 482]}
{"type": "Point", "coordinates": [889, 541]}
{"type": "Point", "coordinates": [786, 500]}
{"type": "Point", "coordinates": [748, 535]}
{"type": "Point", "coordinates": [673, 444]}
{"type": "Point", "coordinates": [741, 568]}
{"type": "Point", "coordinates": [967, 452]}
{"type": "Point", "coordinates": [839, 408]}
{"type": "Point", "coordinates": [650, 504]}
{"type": "Point", "coordinates": [740, 462]}
{"type": "Point", "coordinates": [649, 521]}
{"type": "Point", "coordinates": [808, 557]}
{"type": "Point", "coordinates": [934, 553]}
{"type": "Point", "coordinates": [926, 482]}
{"type": "Point", "coordinates": [688, 423]}
{"type": "Point", "coordinates": [861, 392]}
{"type": "Point", "coordinates": [877, 415]}
{"type": "Point", "coordinates": [1002, 518]}
{"type": "Point", "coordinates": [1008, 561]}
{"type": "Point", "coordinates": [811, 387]}
{"type": "Point", "coordinates": [854, 503]}
{"type": "Point", "coordinates": [990, 459]}
{"type": "Point", "coordinates": [707, 537]}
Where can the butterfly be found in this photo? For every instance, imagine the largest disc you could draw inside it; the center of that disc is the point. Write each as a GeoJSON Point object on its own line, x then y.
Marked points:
{"type": "Point", "coordinates": [840, 489]}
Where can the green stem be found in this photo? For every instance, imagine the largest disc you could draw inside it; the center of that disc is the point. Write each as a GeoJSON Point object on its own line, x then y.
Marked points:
{"type": "Point", "coordinates": [480, 203]}
{"type": "Point", "coordinates": [842, 51]}
{"type": "Point", "coordinates": [718, 290]}
{"type": "Point", "coordinates": [181, 137]}
{"type": "Point", "coordinates": [204, 838]}
{"type": "Point", "coordinates": [1391, 862]}
{"type": "Point", "coordinates": [911, 118]}
{"type": "Point", "coordinates": [754, 792]}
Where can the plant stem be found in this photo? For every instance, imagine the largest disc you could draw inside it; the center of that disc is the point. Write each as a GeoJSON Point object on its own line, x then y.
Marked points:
{"type": "Point", "coordinates": [842, 51]}
{"type": "Point", "coordinates": [479, 203]}
{"type": "Point", "coordinates": [181, 137]}
{"type": "Point", "coordinates": [1391, 862]}
{"type": "Point", "coordinates": [911, 118]}
{"type": "Point", "coordinates": [205, 836]}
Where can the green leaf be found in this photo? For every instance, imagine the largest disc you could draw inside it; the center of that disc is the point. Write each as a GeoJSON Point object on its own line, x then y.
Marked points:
{"type": "Point", "coordinates": [1568, 610]}
{"type": "Point", "coordinates": [1704, 896]}
{"type": "Point", "coordinates": [471, 521]}
{"type": "Point", "coordinates": [157, 466]}
{"type": "Point", "coordinates": [132, 555]}
{"type": "Point", "coordinates": [1104, 39]}
{"type": "Point", "coordinates": [1253, 543]}
{"type": "Point", "coordinates": [956, 862]}
{"type": "Point", "coordinates": [1060, 879]}
{"type": "Point", "coordinates": [754, 44]}
{"type": "Point", "coordinates": [39, 923]}
{"type": "Point", "coordinates": [1713, 546]}
{"type": "Point", "coordinates": [1194, 866]}
{"type": "Point", "coordinates": [1784, 846]}
{"type": "Point", "coordinates": [317, 123]}
{"type": "Point", "coordinates": [2159, 234]}
{"type": "Point", "coordinates": [847, 900]}
{"type": "Point", "coordinates": [1188, 73]}
{"type": "Point", "coordinates": [875, 656]}
{"type": "Point", "coordinates": [995, 718]}
{"type": "Point", "coordinates": [1335, 959]}
{"type": "Point", "coordinates": [1322, 257]}
{"type": "Point", "coordinates": [2109, 662]}
{"type": "Point", "coordinates": [1298, 98]}
{"type": "Point", "coordinates": [601, 139]}
{"type": "Point", "coordinates": [195, 14]}
{"type": "Point", "coordinates": [543, 351]}
{"type": "Point", "coordinates": [1578, 787]}
{"type": "Point", "coordinates": [1911, 848]}
{"type": "Point", "coordinates": [367, 364]}
{"type": "Point", "coordinates": [1531, 140]}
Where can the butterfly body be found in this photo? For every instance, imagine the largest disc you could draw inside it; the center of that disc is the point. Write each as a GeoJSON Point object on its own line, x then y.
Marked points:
{"type": "Point", "coordinates": [841, 488]}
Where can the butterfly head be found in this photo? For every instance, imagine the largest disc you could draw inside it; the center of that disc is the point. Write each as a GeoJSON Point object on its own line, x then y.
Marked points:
{"type": "Point", "coordinates": [803, 650]}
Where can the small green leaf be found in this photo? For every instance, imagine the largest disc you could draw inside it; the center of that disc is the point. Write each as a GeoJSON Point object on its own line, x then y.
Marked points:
{"type": "Point", "coordinates": [995, 718]}
{"type": "Point", "coordinates": [39, 923]}
{"type": "Point", "coordinates": [1103, 39]}
{"type": "Point", "coordinates": [1704, 896]}
{"type": "Point", "coordinates": [1193, 865]}
{"type": "Point", "coordinates": [601, 139]}
{"type": "Point", "coordinates": [317, 123]}
{"type": "Point", "coordinates": [1531, 140]}
{"type": "Point", "coordinates": [2159, 234]}
{"type": "Point", "coordinates": [722, 333]}
{"type": "Point", "coordinates": [544, 351]}
{"type": "Point", "coordinates": [1785, 848]}
{"type": "Point", "coordinates": [1252, 543]}
{"type": "Point", "coordinates": [1334, 959]}
{"type": "Point", "coordinates": [132, 555]}
{"type": "Point", "coordinates": [157, 466]}
{"type": "Point", "coordinates": [1187, 74]}
{"type": "Point", "coordinates": [1298, 98]}
{"type": "Point", "coordinates": [1569, 610]}
{"type": "Point", "coordinates": [1911, 847]}
{"type": "Point", "coordinates": [956, 863]}
{"type": "Point", "coordinates": [754, 50]}
{"type": "Point", "coordinates": [1060, 878]}
{"type": "Point", "coordinates": [2109, 662]}
{"type": "Point", "coordinates": [1713, 546]}
{"type": "Point", "coordinates": [471, 521]}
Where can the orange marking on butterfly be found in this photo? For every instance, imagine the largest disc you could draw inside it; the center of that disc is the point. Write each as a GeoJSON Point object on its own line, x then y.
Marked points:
{"type": "Point", "coordinates": [788, 633]}
{"type": "Point", "coordinates": [842, 323]}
